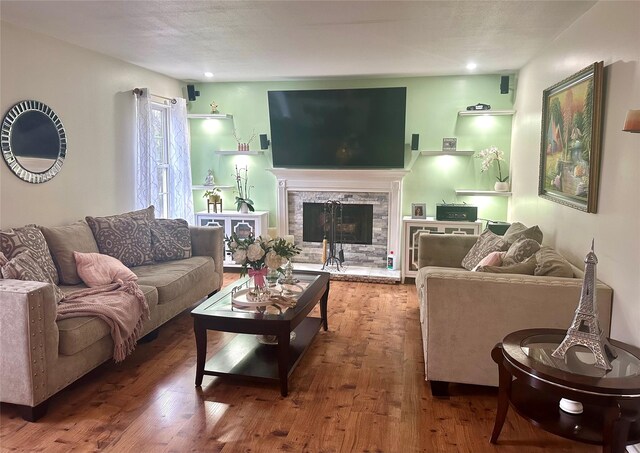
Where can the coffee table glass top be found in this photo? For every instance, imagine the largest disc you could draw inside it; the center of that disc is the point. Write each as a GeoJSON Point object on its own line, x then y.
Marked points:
{"type": "Point", "coordinates": [221, 304]}
{"type": "Point", "coordinates": [579, 359]}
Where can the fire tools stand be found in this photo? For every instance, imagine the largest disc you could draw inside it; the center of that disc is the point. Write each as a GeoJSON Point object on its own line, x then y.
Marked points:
{"type": "Point", "coordinates": [332, 211]}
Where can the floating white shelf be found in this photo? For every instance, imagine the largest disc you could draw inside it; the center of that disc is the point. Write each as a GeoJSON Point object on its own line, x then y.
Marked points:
{"type": "Point", "coordinates": [203, 187]}
{"type": "Point", "coordinates": [486, 112]}
{"type": "Point", "coordinates": [246, 153]}
{"type": "Point", "coordinates": [211, 116]}
{"type": "Point", "coordinates": [446, 153]}
{"type": "Point", "coordinates": [483, 193]}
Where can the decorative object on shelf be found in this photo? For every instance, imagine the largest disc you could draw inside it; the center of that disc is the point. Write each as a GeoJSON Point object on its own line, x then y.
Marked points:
{"type": "Point", "coordinates": [214, 107]}
{"type": "Point", "coordinates": [244, 146]}
{"type": "Point", "coordinates": [459, 212]}
{"type": "Point", "coordinates": [214, 199]}
{"type": "Point", "coordinates": [585, 329]}
{"type": "Point", "coordinates": [418, 210]}
{"type": "Point", "coordinates": [33, 141]}
{"type": "Point", "coordinates": [489, 156]}
{"type": "Point", "coordinates": [208, 180]}
{"type": "Point", "coordinates": [244, 204]}
{"type": "Point", "coordinates": [449, 144]}
{"type": "Point", "coordinates": [479, 106]}
{"type": "Point", "coordinates": [632, 121]}
{"type": "Point", "coordinates": [570, 143]}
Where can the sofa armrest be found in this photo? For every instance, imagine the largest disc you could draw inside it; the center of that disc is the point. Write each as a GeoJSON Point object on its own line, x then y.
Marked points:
{"type": "Point", "coordinates": [466, 313]}
{"type": "Point", "coordinates": [28, 340]}
{"type": "Point", "coordinates": [445, 250]}
{"type": "Point", "coordinates": [209, 241]}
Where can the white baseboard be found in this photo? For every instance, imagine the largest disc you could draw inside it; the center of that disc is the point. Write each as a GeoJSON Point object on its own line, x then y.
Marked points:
{"type": "Point", "coordinates": [633, 448]}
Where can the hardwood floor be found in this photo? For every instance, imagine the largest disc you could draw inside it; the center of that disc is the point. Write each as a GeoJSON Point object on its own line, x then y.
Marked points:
{"type": "Point", "coordinates": [359, 388]}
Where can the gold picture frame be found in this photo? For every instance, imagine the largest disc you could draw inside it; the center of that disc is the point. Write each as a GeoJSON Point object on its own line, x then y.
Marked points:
{"type": "Point", "coordinates": [570, 144]}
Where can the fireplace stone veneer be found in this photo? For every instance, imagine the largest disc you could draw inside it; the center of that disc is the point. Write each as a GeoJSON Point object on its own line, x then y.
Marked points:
{"type": "Point", "coordinates": [381, 188]}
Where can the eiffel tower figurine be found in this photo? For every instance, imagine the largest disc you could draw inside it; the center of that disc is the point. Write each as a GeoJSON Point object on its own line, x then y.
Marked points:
{"type": "Point", "coordinates": [585, 329]}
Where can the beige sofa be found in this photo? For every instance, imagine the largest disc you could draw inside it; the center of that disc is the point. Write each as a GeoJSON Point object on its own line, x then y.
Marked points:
{"type": "Point", "coordinates": [40, 356]}
{"type": "Point", "coordinates": [464, 314]}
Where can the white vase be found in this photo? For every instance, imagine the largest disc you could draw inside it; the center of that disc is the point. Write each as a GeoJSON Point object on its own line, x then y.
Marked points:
{"type": "Point", "coordinates": [244, 208]}
{"type": "Point", "coordinates": [500, 186]}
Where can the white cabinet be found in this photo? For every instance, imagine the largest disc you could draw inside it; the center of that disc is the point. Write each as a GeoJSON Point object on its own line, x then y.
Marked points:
{"type": "Point", "coordinates": [253, 223]}
{"type": "Point", "coordinates": [412, 228]}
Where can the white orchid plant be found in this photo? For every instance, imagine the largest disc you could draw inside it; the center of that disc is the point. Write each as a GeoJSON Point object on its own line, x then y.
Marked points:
{"type": "Point", "coordinates": [261, 252]}
{"type": "Point", "coordinates": [489, 156]}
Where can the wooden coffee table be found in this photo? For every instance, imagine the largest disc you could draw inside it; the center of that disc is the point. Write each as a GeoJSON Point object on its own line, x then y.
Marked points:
{"type": "Point", "coordinates": [533, 382]}
{"type": "Point", "coordinates": [244, 356]}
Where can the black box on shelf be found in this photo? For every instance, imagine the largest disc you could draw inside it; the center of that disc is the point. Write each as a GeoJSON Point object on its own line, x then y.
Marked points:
{"type": "Point", "coordinates": [456, 212]}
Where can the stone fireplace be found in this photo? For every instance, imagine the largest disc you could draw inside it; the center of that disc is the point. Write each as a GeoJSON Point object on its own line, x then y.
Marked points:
{"type": "Point", "coordinates": [380, 189]}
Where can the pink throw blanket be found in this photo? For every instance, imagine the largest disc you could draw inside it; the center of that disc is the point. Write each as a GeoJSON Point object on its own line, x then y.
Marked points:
{"type": "Point", "coordinates": [121, 305]}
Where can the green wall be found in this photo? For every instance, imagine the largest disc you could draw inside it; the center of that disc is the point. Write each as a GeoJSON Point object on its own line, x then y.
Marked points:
{"type": "Point", "coordinates": [432, 106]}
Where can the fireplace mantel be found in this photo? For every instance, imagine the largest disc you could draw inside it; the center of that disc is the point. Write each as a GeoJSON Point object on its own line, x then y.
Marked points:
{"type": "Point", "coordinates": [388, 181]}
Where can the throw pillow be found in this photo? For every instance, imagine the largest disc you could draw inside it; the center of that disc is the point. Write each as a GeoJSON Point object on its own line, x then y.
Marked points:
{"type": "Point", "coordinates": [487, 242]}
{"type": "Point", "coordinates": [63, 241]}
{"type": "Point", "coordinates": [170, 239]}
{"type": "Point", "coordinates": [18, 240]}
{"type": "Point", "coordinates": [492, 259]}
{"type": "Point", "coordinates": [551, 263]}
{"type": "Point", "coordinates": [527, 267]}
{"type": "Point", "coordinates": [517, 230]}
{"type": "Point", "coordinates": [125, 237]}
{"type": "Point", "coordinates": [25, 266]}
{"type": "Point", "coordinates": [96, 269]}
{"type": "Point", "coordinates": [520, 250]}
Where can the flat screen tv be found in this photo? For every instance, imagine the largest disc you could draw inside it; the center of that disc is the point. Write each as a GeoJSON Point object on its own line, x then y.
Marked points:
{"type": "Point", "coordinates": [354, 128]}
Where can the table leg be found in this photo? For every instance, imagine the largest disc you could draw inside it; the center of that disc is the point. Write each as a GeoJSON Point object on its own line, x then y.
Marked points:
{"type": "Point", "coordinates": [283, 362]}
{"type": "Point", "coordinates": [323, 308]}
{"type": "Point", "coordinates": [504, 393]}
{"type": "Point", "coordinates": [201, 350]}
{"type": "Point", "coordinates": [617, 422]}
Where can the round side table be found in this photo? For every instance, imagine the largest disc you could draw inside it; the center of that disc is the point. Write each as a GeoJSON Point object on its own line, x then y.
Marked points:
{"type": "Point", "coordinates": [533, 382]}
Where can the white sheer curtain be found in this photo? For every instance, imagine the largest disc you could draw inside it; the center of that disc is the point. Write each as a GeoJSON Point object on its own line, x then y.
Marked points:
{"type": "Point", "coordinates": [180, 192]}
{"type": "Point", "coordinates": [149, 183]}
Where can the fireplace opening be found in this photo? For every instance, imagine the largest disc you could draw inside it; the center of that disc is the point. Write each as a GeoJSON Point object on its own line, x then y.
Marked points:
{"type": "Point", "coordinates": [356, 226]}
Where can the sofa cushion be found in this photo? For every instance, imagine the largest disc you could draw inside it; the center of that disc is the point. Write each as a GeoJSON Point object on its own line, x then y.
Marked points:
{"type": "Point", "coordinates": [170, 239]}
{"type": "Point", "coordinates": [96, 269]}
{"type": "Point", "coordinates": [487, 242]}
{"type": "Point", "coordinates": [75, 334]}
{"type": "Point", "coordinates": [24, 266]}
{"type": "Point", "coordinates": [29, 237]}
{"type": "Point", "coordinates": [174, 278]}
{"type": "Point", "coordinates": [520, 250]}
{"type": "Point", "coordinates": [518, 230]}
{"type": "Point", "coordinates": [63, 241]}
{"type": "Point", "coordinates": [492, 259]}
{"type": "Point", "coordinates": [551, 263]}
{"type": "Point", "coordinates": [527, 267]}
{"type": "Point", "coordinates": [125, 237]}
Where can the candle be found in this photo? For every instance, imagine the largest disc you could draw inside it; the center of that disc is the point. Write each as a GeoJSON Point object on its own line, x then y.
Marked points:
{"type": "Point", "coordinates": [272, 232]}
{"type": "Point", "coordinates": [324, 251]}
{"type": "Point", "coordinates": [289, 238]}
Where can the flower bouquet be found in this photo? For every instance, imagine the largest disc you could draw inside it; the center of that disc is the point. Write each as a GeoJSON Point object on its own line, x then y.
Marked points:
{"type": "Point", "coordinates": [257, 255]}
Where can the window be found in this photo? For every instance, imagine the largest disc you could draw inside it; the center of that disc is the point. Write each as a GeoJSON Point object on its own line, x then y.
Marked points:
{"type": "Point", "coordinates": [160, 153]}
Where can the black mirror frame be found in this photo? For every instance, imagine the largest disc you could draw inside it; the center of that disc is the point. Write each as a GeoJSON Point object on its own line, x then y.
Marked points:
{"type": "Point", "coordinates": [5, 142]}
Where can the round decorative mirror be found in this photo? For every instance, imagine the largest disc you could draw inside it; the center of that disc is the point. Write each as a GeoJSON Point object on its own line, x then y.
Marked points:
{"type": "Point", "coordinates": [33, 141]}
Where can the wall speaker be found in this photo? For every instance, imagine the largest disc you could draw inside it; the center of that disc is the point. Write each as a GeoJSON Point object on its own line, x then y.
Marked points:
{"type": "Point", "coordinates": [504, 84]}
{"type": "Point", "coordinates": [264, 141]}
{"type": "Point", "coordinates": [192, 93]}
{"type": "Point", "coordinates": [415, 139]}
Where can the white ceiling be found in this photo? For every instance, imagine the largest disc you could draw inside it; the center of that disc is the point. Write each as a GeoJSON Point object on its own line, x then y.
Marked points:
{"type": "Point", "coordinates": [276, 40]}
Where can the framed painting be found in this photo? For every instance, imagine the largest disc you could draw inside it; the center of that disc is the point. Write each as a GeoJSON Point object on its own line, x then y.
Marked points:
{"type": "Point", "coordinates": [418, 210]}
{"type": "Point", "coordinates": [570, 143]}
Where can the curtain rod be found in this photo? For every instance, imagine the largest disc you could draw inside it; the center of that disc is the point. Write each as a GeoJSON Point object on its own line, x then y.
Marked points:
{"type": "Point", "coordinates": [140, 92]}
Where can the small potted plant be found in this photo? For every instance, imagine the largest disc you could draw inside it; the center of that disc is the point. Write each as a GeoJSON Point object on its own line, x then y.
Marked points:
{"type": "Point", "coordinates": [244, 204]}
{"type": "Point", "coordinates": [212, 195]}
{"type": "Point", "coordinates": [489, 156]}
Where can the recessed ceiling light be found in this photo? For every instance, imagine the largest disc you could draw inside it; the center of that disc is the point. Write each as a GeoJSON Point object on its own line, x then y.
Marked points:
{"type": "Point", "coordinates": [208, 74]}
{"type": "Point", "coordinates": [471, 66]}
